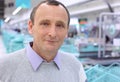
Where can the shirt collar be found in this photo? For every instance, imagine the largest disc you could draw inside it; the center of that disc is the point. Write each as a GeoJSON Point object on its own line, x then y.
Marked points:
{"type": "Point", "coordinates": [36, 60]}
{"type": "Point", "coordinates": [57, 60]}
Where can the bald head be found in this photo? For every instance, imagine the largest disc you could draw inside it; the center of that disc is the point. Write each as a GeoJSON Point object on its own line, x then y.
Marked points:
{"type": "Point", "coordinates": [51, 3]}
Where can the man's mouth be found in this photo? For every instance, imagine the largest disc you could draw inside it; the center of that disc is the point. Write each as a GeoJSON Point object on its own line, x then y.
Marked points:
{"type": "Point", "coordinates": [51, 41]}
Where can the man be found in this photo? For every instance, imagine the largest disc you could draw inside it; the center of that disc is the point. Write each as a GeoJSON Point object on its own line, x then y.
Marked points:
{"type": "Point", "coordinates": [41, 61]}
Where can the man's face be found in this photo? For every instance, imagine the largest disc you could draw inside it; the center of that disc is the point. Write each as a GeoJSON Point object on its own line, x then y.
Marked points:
{"type": "Point", "coordinates": [49, 29]}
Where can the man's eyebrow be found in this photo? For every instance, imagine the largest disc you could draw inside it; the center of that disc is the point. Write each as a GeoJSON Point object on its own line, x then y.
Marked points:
{"type": "Point", "coordinates": [45, 20]}
{"type": "Point", "coordinates": [61, 22]}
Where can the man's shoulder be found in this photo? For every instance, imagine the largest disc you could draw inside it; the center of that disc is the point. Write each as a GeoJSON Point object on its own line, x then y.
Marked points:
{"type": "Point", "coordinates": [10, 62]}
{"type": "Point", "coordinates": [67, 55]}
{"type": "Point", "coordinates": [12, 58]}
{"type": "Point", "coordinates": [13, 55]}
{"type": "Point", "coordinates": [69, 58]}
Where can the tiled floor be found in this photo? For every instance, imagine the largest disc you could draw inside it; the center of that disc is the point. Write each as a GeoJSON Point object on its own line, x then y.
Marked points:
{"type": "Point", "coordinates": [2, 48]}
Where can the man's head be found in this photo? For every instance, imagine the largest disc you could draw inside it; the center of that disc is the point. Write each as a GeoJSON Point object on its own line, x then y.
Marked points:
{"type": "Point", "coordinates": [49, 26]}
{"type": "Point", "coordinates": [49, 2]}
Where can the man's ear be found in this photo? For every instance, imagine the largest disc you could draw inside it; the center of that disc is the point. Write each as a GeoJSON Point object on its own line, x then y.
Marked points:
{"type": "Point", "coordinates": [30, 27]}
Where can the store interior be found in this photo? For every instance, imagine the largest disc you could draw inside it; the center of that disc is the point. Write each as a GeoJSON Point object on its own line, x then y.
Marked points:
{"type": "Point", "coordinates": [93, 37]}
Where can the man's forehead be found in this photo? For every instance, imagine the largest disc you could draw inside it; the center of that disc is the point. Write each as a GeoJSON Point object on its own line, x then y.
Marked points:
{"type": "Point", "coordinates": [50, 5]}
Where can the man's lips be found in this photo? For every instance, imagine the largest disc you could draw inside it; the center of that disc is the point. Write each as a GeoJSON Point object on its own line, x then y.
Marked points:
{"type": "Point", "coordinates": [52, 41]}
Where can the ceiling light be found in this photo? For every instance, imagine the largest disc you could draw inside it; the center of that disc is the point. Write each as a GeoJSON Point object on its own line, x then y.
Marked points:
{"type": "Point", "coordinates": [16, 11]}
{"type": "Point", "coordinates": [7, 19]}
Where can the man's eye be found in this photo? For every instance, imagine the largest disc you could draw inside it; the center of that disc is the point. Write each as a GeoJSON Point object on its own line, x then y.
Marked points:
{"type": "Point", "coordinates": [60, 25]}
{"type": "Point", "coordinates": [44, 23]}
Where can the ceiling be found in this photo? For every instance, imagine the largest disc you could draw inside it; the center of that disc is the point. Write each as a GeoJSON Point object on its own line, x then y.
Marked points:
{"type": "Point", "coordinates": [10, 5]}
{"type": "Point", "coordinates": [9, 9]}
{"type": "Point", "coordinates": [75, 7]}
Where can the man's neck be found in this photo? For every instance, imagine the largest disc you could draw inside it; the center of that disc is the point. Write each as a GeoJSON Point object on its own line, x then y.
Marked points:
{"type": "Point", "coordinates": [48, 56]}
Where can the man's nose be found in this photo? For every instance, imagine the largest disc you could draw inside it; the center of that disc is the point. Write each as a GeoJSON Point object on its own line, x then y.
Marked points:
{"type": "Point", "coordinates": [52, 32]}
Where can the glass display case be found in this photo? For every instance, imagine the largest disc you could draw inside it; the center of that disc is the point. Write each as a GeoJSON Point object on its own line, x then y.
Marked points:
{"type": "Point", "coordinates": [110, 34]}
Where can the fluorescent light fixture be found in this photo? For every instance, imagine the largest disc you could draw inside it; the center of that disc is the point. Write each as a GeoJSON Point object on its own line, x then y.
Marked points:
{"type": "Point", "coordinates": [16, 11]}
{"type": "Point", "coordinates": [93, 9]}
{"type": "Point", "coordinates": [72, 2]}
{"type": "Point", "coordinates": [7, 19]}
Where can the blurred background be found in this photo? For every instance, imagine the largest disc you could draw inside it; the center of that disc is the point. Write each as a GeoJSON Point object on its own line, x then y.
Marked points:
{"type": "Point", "coordinates": [93, 37]}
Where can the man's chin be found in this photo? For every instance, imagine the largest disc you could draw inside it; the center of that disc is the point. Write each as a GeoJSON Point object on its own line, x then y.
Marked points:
{"type": "Point", "coordinates": [51, 48]}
